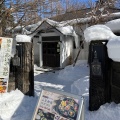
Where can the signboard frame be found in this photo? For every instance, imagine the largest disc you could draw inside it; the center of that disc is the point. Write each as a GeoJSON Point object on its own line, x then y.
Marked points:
{"type": "Point", "coordinates": [5, 56]}
{"type": "Point", "coordinates": [80, 110]}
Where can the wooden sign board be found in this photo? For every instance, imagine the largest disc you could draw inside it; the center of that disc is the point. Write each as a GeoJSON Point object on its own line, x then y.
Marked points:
{"type": "Point", "coordinates": [5, 55]}
{"type": "Point", "coordinates": [58, 105]}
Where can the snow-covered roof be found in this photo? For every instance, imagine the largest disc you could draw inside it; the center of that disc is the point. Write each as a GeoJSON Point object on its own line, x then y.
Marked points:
{"type": "Point", "coordinates": [89, 19]}
{"type": "Point", "coordinates": [114, 25]}
{"type": "Point", "coordinates": [34, 28]}
{"type": "Point", "coordinates": [23, 38]}
{"type": "Point", "coordinates": [98, 32]}
{"type": "Point", "coordinates": [31, 28]}
{"type": "Point", "coordinates": [65, 30]}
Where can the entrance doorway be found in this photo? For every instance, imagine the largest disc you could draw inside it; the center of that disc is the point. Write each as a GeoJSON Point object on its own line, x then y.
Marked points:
{"type": "Point", "coordinates": [51, 51]}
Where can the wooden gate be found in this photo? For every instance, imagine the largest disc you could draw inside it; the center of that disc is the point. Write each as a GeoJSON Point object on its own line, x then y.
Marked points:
{"type": "Point", "coordinates": [24, 74]}
{"type": "Point", "coordinates": [99, 90]}
{"type": "Point", "coordinates": [115, 82]}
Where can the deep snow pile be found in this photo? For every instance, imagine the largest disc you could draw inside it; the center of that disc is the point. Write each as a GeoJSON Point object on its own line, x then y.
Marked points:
{"type": "Point", "coordinates": [114, 25]}
{"type": "Point", "coordinates": [98, 32]}
{"type": "Point", "coordinates": [102, 32]}
{"type": "Point", "coordinates": [23, 38]}
{"type": "Point", "coordinates": [16, 106]}
{"type": "Point", "coordinates": [114, 48]}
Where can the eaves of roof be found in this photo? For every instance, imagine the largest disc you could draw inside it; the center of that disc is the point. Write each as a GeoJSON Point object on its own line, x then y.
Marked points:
{"type": "Point", "coordinates": [41, 25]}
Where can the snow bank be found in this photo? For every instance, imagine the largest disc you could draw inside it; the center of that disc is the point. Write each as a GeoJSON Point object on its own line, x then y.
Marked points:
{"type": "Point", "coordinates": [9, 102]}
{"type": "Point", "coordinates": [23, 38]}
{"type": "Point", "coordinates": [106, 112]}
{"type": "Point", "coordinates": [81, 86]}
{"type": "Point", "coordinates": [114, 48]}
{"type": "Point", "coordinates": [15, 105]}
{"type": "Point", "coordinates": [114, 25]}
{"type": "Point", "coordinates": [71, 73]}
{"type": "Point", "coordinates": [98, 32]}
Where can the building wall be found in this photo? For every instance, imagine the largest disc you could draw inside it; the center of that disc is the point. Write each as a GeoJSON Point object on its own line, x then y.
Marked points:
{"type": "Point", "coordinates": [79, 28]}
{"type": "Point", "coordinates": [84, 52]}
{"type": "Point", "coordinates": [36, 51]}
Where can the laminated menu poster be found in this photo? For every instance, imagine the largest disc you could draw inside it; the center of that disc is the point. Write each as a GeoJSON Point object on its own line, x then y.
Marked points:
{"type": "Point", "coordinates": [58, 105]}
{"type": "Point", "coordinates": [5, 55]}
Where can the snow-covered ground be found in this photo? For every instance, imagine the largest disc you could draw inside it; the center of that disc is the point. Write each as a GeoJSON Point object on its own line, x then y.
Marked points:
{"type": "Point", "coordinates": [16, 106]}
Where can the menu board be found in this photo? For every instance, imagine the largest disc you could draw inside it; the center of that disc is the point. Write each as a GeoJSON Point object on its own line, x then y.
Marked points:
{"type": "Point", "coordinates": [58, 105]}
{"type": "Point", "coordinates": [5, 55]}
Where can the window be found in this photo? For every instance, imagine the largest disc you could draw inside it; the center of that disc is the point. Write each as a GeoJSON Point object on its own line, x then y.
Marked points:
{"type": "Point", "coordinates": [74, 46]}
{"type": "Point", "coordinates": [82, 44]}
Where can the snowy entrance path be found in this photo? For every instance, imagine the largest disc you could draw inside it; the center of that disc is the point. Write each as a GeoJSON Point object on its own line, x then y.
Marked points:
{"type": "Point", "coordinates": [65, 79]}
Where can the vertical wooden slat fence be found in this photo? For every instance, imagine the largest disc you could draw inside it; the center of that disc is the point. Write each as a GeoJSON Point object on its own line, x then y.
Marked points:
{"type": "Point", "coordinates": [24, 74]}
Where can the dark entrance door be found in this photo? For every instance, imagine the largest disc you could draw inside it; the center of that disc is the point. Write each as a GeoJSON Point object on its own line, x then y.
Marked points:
{"type": "Point", "coordinates": [51, 52]}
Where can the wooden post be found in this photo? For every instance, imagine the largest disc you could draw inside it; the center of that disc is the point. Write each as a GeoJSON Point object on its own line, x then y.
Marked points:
{"type": "Point", "coordinates": [24, 75]}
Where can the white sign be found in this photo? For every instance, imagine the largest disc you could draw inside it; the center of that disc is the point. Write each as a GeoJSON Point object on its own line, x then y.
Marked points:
{"type": "Point", "coordinates": [5, 55]}
{"type": "Point", "coordinates": [58, 105]}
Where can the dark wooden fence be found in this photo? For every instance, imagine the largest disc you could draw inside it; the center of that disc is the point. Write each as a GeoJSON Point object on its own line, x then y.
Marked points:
{"type": "Point", "coordinates": [115, 82]}
{"type": "Point", "coordinates": [99, 90]}
{"type": "Point", "coordinates": [22, 74]}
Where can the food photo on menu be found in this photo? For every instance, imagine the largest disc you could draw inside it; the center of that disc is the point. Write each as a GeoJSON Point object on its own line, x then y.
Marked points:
{"type": "Point", "coordinates": [67, 107]}
{"type": "Point", "coordinates": [3, 81]}
{"type": "Point", "coordinates": [3, 85]}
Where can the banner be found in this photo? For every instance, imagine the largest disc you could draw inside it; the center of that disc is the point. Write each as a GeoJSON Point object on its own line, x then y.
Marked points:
{"type": "Point", "coordinates": [5, 55]}
{"type": "Point", "coordinates": [58, 105]}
